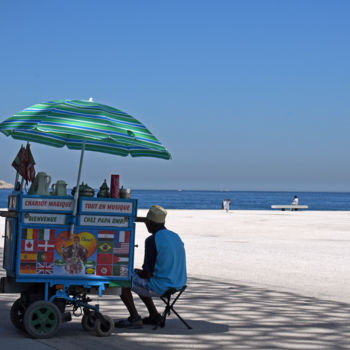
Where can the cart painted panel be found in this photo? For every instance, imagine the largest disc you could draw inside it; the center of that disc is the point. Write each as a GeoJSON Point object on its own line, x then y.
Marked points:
{"type": "Point", "coordinates": [100, 250]}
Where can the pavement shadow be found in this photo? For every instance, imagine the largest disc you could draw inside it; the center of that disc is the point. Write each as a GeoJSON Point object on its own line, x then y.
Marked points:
{"type": "Point", "coordinates": [223, 316]}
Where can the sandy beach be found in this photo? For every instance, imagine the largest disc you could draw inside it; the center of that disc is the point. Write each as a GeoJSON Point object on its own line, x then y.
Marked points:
{"type": "Point", "coordinates": [304, 251]}
{"type": "Point", "coordinates": [257, 280]}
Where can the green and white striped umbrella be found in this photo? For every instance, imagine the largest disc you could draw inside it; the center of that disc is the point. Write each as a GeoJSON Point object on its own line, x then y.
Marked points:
{"type": "Point", "coordinates": [84, 125]}
{"type": "Point", "coordinates": [71, 122]}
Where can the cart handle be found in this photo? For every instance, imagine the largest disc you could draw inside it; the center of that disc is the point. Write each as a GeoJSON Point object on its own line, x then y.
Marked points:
{"type": "Point", "coordinates": [8, 214]}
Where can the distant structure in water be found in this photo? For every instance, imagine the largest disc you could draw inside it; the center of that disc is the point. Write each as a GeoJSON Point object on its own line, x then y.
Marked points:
{"type": "Point", "coordinates": [5, 185]}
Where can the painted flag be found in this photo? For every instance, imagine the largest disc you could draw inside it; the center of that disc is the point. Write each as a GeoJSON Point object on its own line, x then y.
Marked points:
{"type": "Point", "coordinates": [124, 236]}
{"type": "Point", "coordinates": [46, 246]}
{"type": "Point", "coordinates": [47, 257]}
{"type": "Point", "coordinates": [28, 245]}
{"type": "Point", "coordinates": [105, 247]}
{"type": "Point", "coordinates": [105, 235]}
{"type": "Point", "coordinates": [30, 233]}
{"type": "Point", "coordinates": [104, 270]}
{"type": "Point", "coordinates": [89, 270]}
{"type": "Point", "coordinates": [117, 259]}
{"type": "Point", "coordinates": [104, 259]}
{"type": "Point", "coordinates": [120, 270]}
{"type": "Point", "coordinates": [121, 249]}
{"type": "Point", "coordinates": [27, 268]}
{"type": "Point", "coordinates": [46, 234]}
{"type": "Point", "coordinates": [28, 257]}
{"type": "Point", "coordinates": [124, 270]}
{"type": "Point", "coordinates": [44, 268]}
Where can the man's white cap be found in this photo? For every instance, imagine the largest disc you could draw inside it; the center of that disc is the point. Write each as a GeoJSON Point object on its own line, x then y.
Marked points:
{"type": "Point", "coordinates": [157, 214]}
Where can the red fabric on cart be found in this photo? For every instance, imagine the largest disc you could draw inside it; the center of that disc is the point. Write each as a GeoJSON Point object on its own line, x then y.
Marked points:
{"type": "Point", "coordinates": [24, 163]}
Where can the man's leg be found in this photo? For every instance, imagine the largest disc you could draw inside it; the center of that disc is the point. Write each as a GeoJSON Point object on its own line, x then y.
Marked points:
{"type": "Point", "coordinates": [148, 301]}
{"type": "Point", "coordinates": [128, 301]}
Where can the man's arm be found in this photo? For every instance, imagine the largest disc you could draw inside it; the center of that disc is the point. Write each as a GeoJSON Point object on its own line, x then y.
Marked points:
{"type": "Point", "coordinates": [150, 258]}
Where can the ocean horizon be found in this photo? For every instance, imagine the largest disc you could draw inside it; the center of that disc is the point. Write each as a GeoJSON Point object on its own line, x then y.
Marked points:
{"type": "Point", "coordinates": [240, 200]}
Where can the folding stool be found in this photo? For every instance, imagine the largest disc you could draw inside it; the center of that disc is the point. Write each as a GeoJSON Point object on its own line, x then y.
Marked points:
{"type": "Point", "coordinates": [169, 306]}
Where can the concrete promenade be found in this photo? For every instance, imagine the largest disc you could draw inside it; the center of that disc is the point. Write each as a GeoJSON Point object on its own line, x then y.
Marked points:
{"type": "Point", "coordinates": [257, 280]}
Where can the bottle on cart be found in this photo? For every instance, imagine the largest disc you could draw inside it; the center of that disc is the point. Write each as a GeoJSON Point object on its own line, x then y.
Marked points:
{"type": "Point", "coordinates": [115, 186]}
{"type": "Point", "coordinates": [104, 190]}
{"type": "Point", "coordinates": [125, 192]}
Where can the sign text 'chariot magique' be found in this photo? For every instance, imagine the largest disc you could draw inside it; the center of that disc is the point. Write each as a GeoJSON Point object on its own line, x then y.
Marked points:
{"type": "Point", "coordinates": [56, 204]}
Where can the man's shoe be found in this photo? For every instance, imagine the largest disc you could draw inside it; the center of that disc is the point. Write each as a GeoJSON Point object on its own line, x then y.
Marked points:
{"type": "Point", "coordinates": [130, 323]}
{"type": "Point", "coordinates": [154, 321]}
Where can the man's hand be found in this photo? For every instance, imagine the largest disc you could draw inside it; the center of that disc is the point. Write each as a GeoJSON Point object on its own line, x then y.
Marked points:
{"type": "Point", "coordinates": [138, 271]}
{"type": "Point", "coordinates": [143, 274]}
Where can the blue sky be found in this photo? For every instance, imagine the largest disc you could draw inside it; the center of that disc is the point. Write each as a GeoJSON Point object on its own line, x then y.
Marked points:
{"type": "Point", "coordinates": [246, 95]}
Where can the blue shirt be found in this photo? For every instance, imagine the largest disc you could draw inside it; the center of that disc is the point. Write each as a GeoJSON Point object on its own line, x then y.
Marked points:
{"type": "Point", "coordinates": [170, 263]}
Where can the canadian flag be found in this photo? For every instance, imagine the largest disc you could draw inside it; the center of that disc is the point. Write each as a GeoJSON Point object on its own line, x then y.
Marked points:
{"type": "Point", "coordinates": [28, 245]}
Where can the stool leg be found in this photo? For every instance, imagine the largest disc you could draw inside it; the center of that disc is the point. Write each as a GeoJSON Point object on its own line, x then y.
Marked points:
{"type": "Point", "coordinates": [168, 308]}
{"type": "Point", "coordinates": [183, 321]}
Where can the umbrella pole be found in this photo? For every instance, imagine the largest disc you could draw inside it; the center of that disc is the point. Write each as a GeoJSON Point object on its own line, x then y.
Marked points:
{"type": "Point", "coordinates": [76, 194]}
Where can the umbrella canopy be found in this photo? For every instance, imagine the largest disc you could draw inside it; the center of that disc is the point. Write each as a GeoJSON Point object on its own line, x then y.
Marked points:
{"type": "Point", "coordinates": [84, 125]}
{"type": "Point", "coordinates": [72, 122]}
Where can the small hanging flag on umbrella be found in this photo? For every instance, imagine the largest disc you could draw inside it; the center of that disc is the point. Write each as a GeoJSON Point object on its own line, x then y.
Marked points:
{"type": "Point", "coordinates": [24, 163]}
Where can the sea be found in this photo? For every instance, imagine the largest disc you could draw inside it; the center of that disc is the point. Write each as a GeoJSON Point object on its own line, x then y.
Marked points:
{"type": "Point", "coordinates": [240, 200]}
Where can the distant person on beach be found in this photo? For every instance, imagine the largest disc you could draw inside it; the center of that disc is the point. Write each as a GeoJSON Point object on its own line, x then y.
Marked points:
{"type": "Point", "coordinates": [295, 201]}
{"type": "Point", "coordinates": [226, 204]}
{"type": "Point", "coordinates": [164, 267]}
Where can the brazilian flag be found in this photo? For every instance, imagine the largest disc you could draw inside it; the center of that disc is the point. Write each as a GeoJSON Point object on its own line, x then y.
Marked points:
{"type": "Point", "coordinates": [105, 247]}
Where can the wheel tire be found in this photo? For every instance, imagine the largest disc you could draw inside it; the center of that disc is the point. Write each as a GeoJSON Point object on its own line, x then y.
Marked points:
{"type": "Point", "coordinates": [103, 331]}
{"type": "Point", "coordinates": [42, 319]}
{"type": "Point", "coordinates": [17, 314]}
{"type": "Point", "coordinates": [88, 322]}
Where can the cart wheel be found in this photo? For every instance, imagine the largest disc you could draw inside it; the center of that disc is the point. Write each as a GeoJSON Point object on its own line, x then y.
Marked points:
{"type": "Point", "coordinates": [42, 319]}
{"type": "Point", "coordinates": [88, 321]}
{"type": "Point", "coordinates": [17, 314]}
{"type": "Point", "coordinates": [104, 330]}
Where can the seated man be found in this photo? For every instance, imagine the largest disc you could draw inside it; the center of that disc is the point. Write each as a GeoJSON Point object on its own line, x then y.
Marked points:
{"type": "Point", "coordinates": [164, 267]}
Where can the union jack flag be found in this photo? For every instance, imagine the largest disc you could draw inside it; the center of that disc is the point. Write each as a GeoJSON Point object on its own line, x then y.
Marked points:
{"type": "Point", "coordinates": [44, 268]}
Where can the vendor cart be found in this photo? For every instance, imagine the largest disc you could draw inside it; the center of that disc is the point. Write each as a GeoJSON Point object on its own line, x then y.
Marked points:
{"type": "Point", "coordinates": [55, 270]}
{"type": "Point", "coordinates": [60, 249]}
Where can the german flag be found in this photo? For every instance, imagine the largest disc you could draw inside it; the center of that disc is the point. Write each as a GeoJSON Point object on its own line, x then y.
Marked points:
{"type": "Point", "coordinates": [29, 268]}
